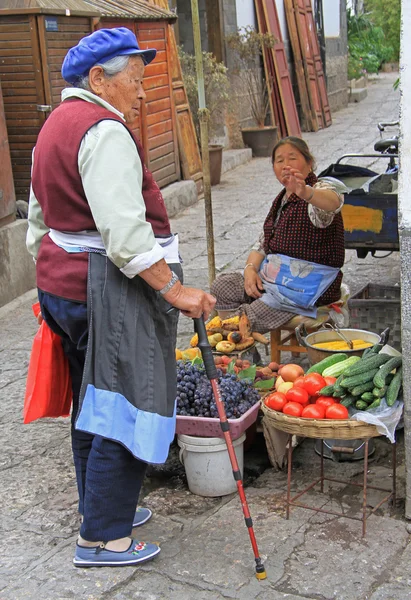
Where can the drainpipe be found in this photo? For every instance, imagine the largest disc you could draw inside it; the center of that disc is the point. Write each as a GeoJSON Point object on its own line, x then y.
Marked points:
{"type": "Point", "coordinates": [204, 115]}
{"type": "Point", "coordinates": [404, 226]}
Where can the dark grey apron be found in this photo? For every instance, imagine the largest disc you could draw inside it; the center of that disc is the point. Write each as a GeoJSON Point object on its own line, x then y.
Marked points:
{"type": "Point", "coordinates": [129, 384]}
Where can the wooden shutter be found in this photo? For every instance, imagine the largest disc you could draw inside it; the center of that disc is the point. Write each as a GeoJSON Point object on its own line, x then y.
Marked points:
{"type": "Point", "coordinates": [268, 22]}
{"type": "Point", "coordinates": [23, 93]}
{"type": "Point", "coordinates": [308, 116]}
{"type": "Point", "coordinates": [54, 46]}
{"type": "Point", "coordinates": [160, 131]}
{"type": "Point", "coordinates": [187, 140]}
{"type": "Point", "coordinates": [318, 66]}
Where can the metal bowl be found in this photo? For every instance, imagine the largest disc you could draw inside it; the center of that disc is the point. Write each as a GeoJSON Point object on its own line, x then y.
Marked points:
{"type": "Point", "coordinates": [315, 355]}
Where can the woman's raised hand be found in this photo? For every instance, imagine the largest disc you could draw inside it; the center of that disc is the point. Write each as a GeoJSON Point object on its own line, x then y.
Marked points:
{"type": "Point", "coordinates": [253, 285]}
{"type": "Point", "coordinates": [294, 181]}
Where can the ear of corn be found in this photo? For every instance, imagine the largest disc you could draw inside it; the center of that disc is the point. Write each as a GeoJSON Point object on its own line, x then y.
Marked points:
{"type": "Point", "coordinates": [341, 345]}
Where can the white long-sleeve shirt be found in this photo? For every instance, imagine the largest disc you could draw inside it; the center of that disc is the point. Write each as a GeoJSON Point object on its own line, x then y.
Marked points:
{"type": "Point", "coordinates": [112, 175]}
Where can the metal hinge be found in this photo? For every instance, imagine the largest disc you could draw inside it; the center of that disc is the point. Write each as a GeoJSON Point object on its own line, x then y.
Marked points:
{"type": "Point", "coordinates": [44, 107]}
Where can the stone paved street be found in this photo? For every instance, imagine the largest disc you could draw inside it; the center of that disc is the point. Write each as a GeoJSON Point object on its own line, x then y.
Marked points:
{"type": "Point", "coordinates": [206, 553]}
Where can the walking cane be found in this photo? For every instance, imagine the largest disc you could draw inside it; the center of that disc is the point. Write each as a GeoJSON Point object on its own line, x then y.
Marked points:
{"type": "Point", "coordinates": [211, 371]}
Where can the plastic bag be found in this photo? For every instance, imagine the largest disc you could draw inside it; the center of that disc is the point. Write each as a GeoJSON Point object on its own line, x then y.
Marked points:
{"type": "Point", "coordinates": [48, 386]}
{"type": "Point", "coordinates": [385, 418]}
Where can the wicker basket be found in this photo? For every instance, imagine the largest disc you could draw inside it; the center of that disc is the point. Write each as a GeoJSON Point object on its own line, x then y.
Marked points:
{"type": "Point", "coordinates": [335, 429]}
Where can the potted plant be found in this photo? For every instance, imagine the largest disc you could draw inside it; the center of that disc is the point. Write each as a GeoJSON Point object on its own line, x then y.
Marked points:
{"type": "Point", "coordinates": [217, 87]}
{"type": "Point", "coordinates": [247, 47]}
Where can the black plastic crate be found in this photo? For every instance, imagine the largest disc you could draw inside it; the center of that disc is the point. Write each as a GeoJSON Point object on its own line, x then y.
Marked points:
{"type": "Point", "coordinates": [376, 307]}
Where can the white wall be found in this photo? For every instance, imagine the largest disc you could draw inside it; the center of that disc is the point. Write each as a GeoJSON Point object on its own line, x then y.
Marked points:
{"type": "Point", "coordinates": [246, 13]}
{"type": "Point", "coordinates": [331, 9]}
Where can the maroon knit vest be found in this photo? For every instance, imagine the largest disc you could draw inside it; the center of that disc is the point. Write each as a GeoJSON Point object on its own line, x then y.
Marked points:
{"type": "Point", "coordinates": [58, 188]}
{"type": "Point", "coordinates": [295, 235]}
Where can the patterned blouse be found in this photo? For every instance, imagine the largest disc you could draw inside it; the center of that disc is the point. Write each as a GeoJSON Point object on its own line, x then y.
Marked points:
{"type": "Point", "coordinates": [319, 217]}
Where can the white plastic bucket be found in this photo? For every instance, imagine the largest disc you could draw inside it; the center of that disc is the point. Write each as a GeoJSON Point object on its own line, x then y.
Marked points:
{"type": "Point", "coordinates": [207, 464]}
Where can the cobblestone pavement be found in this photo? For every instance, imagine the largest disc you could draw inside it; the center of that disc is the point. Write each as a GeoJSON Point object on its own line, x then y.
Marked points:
{"type": "Point", "coordinates": [206, 552]}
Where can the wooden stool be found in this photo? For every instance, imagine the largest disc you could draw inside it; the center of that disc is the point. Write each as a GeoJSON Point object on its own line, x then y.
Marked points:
{"type": "Point", "coordinates": [288, 343]}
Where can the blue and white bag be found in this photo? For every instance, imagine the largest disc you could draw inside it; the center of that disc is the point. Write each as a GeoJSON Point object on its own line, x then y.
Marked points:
{"type": "Point", "coordinates": [293, 284]}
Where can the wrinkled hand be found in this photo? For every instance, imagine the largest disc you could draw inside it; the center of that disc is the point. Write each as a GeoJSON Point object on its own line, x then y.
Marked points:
{"type": "Point", "coordinates": [192, 302]}
{"type": "Point", "coordinates": [39, 318]}
{"type": "Point", "coordinates": [294, 182]}
{"type": "Point", "coordinates": [252, 283]}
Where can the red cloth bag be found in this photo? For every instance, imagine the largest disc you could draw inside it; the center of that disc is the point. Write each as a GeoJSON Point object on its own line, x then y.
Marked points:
{"type": "Point", "coordinates": [48, 386]}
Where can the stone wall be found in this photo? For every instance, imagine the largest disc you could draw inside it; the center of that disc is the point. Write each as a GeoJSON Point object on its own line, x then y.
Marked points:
{"type": "Point", "coordinates": [336, 65]}
{"type": "Point", "coordinates": [17, 270]}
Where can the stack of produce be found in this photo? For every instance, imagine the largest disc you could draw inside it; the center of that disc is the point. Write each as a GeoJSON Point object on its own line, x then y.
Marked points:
{"type": "Point", "coordinates": [336, 383]}
{"type": "Point", "coordinates": [195, 396]}
{"type": "Point", "coordinates": [363, 382]}
{"type": "Point", "coordinates": [230, 335]}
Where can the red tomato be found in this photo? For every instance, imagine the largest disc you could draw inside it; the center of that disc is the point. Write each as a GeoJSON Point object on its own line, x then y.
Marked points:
{"type": "Point", "coordinates": [313, 412]}
{"type": "Point", "coordinates": [293, 408]}
{"type": "Point", "coordinates": [276, 401]}
{"type": "Point", "coordinates": [299, 382]}
{"type": "Point", "coordinates": [330, 380]}
{"type": "Point", "coordinates": [297, 394]}
{"type": "Point", "coordinates": [336, 411]}
{"type": "Point", "coordinates": [313, 383]}
{"type": "Point", "coordinates": [325, 401]}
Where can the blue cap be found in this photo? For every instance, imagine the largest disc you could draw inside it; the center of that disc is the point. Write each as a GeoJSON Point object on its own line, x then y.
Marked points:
{"type": "Point", "coordinates": [99, 47]}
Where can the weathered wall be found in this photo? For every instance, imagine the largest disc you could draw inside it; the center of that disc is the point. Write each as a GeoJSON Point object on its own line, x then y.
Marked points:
{"type": "Point", "coordinates": [404, 224]}
{"type": "Point", "coordinates": [336, 64]}
{"type": "Point", "coordinates": [17, 271]}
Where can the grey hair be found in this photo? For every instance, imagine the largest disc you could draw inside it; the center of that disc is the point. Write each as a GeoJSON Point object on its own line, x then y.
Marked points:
{"type": "Point", "coordinates": [112, 67]}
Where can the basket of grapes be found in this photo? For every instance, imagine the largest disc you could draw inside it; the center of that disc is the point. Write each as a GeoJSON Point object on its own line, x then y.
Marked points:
{"type": "Point", "coordinates": [196, 409]}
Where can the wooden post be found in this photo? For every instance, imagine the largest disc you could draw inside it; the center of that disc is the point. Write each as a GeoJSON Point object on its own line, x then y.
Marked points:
{"type": "Point", "coordinates": [204, 117]}
{"type": "Point", "coordinates": [215, 29]}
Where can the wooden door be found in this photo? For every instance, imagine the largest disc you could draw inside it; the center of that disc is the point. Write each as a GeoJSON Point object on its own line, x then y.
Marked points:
{"type": "Point", "coordinates": [304, 35]}
{"type": "Point", "coordinates": [7, 197]}
{"type": "Point", "coordinates": [308, 116]}
{"type": "Point", "coordinates": [187, 140]}
{"type": "Point", "coordinates": [318, 65]}
{"type": "Point", "coordinates": [267, 13]}
{"type": "Point", "coordinates": [158, 116]}
{"type": "Point", "coordinates": [23, 93]}
{"type": "Point", "coordinates": [57, 34]}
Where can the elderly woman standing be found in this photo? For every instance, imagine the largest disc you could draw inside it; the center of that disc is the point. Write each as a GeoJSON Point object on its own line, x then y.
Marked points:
{"type": "Point", "coordinates": [108, 273]}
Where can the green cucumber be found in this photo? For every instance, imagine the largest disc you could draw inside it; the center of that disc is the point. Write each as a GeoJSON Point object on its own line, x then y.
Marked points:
{"type": "Point", "coordinates": [326, 362]}
{"type": "Point", "coordinates": [360, 389]}
{"type": "Point", "coordinates": [327, 390]}
{"type": "Point", "coordinates": [338, 390]}
{"type": "Point", "coordinates": [348, 401]}
{"type": "Point", "coordinates": [340, 367]}
{"type": "Point", "coordinates": [368, 397]}
{"type": "Point", "coordinates": [375, 404]}
{"type": "Point", "coordinates": [352, 382]}
{"type": "Point", "coordinates": [361, 405]}
{"type": "Point", "coordinates": [376, 349]}
{"type": "Point", "coordinates": [366, 364]}
{"type": "Point", "coordinates": [379, 392]}
{"type": "Point", "coordinates": [394, 388]}
{"type": "Point", "coordinates": [385, 370]}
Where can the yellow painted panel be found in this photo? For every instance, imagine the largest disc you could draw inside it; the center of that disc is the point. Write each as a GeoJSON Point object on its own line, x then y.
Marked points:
{"type": "Point", "coordinates": [362, 218]}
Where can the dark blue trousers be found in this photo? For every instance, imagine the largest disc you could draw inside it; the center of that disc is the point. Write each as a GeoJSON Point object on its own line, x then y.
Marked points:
{"type": "Point", "coordinates": [109, 477]}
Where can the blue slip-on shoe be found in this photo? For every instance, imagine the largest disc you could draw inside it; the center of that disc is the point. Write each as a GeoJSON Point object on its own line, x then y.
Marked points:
{"type": "Point", "coordinates": [138, 552]}
{"type": "Point", "coordinates": [142, 516]}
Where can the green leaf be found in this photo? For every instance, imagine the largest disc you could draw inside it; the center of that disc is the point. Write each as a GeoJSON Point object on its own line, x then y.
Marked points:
{"type": "Point", "coordinates": [197, 361]}
{"type": "Point", "coordinates": [230, 367]}
{"type": "Point", "coordinates": [248, 373]}
{"type": "Point", "coordinates": [265, 384]}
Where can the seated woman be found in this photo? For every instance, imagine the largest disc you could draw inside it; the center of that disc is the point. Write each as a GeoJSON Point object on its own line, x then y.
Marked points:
{"type": "Point", "coordinates": [304, 223]}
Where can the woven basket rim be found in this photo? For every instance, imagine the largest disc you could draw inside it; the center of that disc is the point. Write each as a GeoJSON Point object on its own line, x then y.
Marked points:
{"type": "Point", "coordinates": [339, 428]}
